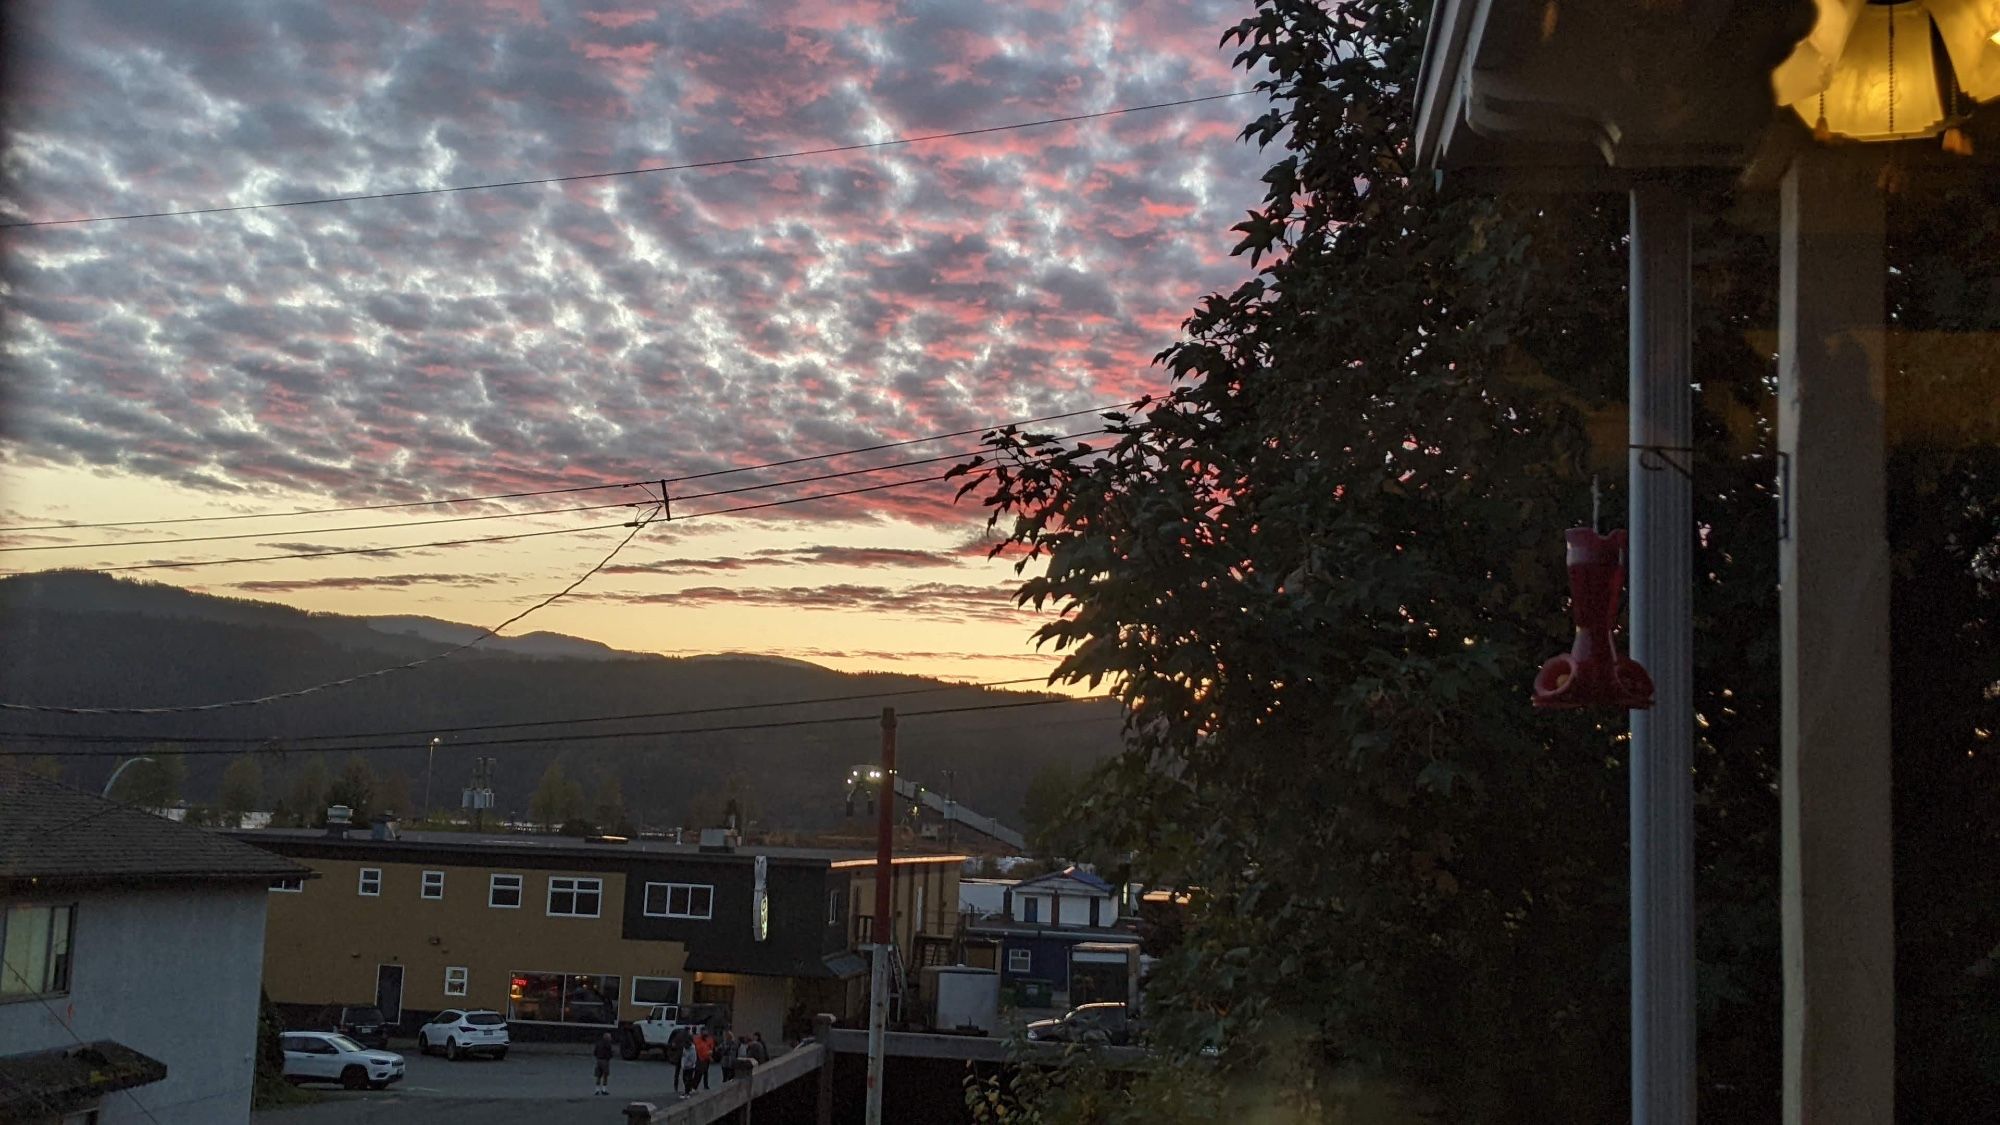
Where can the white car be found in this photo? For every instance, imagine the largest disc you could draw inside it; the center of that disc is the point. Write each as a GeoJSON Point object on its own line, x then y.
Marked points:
{"type": "Point", "coordinates": [459, 1032]}
{"type": "Point", "coordinates": [326, 1056]}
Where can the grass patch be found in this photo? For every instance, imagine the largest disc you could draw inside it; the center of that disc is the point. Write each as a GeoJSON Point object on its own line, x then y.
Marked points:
{"type": "Point", "coordinates": [272, 1092]}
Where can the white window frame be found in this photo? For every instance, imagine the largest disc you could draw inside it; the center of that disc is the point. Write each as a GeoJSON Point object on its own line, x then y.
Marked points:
{"type": "Point", "coordinates": [455, 978]}
{"type": "Point", "coordinates": [368, 874]}
{"type": "Point", "coordinates": [833, 907]}
{"type": "Point", "coordinates": [292, 886]}
{"type": "Point", "coordinates": [519, 886]}
{"type": "Point", "coordinates": [1020, 960]}
{"type": "Point", "coordinates": [15, 988]}
{"type": "Point", "coordinates": [667, 907]}
{"type": "Point", "coordinates": [638, 1003]}
{"type": "Point", "coordinates": [575, 888]}
{"type": "Point", "coordinates": [433, 881]}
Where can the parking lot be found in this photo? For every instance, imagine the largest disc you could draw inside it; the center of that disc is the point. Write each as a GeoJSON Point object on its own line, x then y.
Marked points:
{"type": "Point", "coordinates": [535, 1083]}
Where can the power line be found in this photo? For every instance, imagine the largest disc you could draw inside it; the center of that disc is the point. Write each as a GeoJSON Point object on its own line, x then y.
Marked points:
{"type": "Point", "coordinates": [637, 526]}
{"type": "Point", "coordinates": [418, 732]}
{"type": "Point", "coordinates": [871, 717]}
{"type": "Point", "coordinates": [1015, 423]}
{"type": "Point", "coordinates": [190, 564]}
{"type": "Point", "coordinates": [828, 150]}
{"type": "Point", "coordinates": [320, 530]}
{"type": "Point", "coordinates": [522, 515]}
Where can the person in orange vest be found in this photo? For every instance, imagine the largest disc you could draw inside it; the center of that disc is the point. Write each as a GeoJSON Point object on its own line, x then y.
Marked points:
{"type": "Point", "coordinates": [704, 1053]}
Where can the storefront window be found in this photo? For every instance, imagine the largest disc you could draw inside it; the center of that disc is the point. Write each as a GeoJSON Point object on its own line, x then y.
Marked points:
{"type": "Point", "coordinates": [587, 998]}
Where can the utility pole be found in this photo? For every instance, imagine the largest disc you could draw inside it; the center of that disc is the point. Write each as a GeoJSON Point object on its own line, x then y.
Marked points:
{"type": "Point", "coordinates": [878, 978]}
{"type": "Point", "coordinates": [950, 811]}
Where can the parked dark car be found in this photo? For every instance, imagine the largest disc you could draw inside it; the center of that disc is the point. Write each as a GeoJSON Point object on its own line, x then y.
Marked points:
{"type": "Point", "coordinates": [362, 1023]}
{"type": "Point", "coordinates": [1105, 1022]}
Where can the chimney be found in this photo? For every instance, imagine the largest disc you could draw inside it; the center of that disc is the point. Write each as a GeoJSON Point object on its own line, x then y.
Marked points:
{"type": "Point", "coordinates": [338, 820]}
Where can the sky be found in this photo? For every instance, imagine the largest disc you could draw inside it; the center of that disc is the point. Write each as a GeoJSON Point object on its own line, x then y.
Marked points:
{"type": "Point", "coordinates": [597, 332]}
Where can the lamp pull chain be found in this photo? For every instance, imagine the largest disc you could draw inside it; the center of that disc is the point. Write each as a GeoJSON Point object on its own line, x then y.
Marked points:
{"type": "Point", "coordinates": [1892, 71]}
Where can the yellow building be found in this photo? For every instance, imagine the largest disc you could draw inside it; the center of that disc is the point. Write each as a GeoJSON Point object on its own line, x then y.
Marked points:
{"type": "Point", "coordinates": [566, 937]}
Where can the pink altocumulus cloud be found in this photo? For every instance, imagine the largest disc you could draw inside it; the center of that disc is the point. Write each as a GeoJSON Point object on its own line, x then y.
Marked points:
{"type": "Point", "coordinates": [623, 329]}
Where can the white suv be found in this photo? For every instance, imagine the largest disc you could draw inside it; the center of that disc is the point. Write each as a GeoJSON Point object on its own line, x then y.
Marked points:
{"type": "Point", "coordinates": [459, 1032]}
{"type": "Point", "coordinates": [322, 1056]}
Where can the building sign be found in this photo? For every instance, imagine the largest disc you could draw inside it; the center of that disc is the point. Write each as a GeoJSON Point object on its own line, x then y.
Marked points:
{"type": "Point", "coordinates": [760, 902]}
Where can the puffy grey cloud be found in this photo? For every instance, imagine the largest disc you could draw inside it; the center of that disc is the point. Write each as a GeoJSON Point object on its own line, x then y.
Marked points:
{"type": "Point", "coordinates": [619, 329]}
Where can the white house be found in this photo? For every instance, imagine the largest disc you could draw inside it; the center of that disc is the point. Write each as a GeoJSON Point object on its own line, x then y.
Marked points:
{"type": "Point", "coordinates": [1071, 897]}
{"type": "Point", "coordinates": [133, 951]}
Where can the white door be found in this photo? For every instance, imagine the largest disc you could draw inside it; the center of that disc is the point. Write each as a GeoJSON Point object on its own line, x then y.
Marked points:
{"type": "Point", "coordinates": [313, 1058]}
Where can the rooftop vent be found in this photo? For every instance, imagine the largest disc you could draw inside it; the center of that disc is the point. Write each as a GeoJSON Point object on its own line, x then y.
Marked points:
{"type": "Point", "coordinates": [385, 827]}
{"type": "Point", "coordinates": [339, 818]}
{"type": "Point", "coordinates": [718, 840]}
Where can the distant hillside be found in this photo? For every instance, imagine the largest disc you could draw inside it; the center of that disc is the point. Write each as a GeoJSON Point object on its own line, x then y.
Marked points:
{"type": "Point", "coordinates": [74, 638]}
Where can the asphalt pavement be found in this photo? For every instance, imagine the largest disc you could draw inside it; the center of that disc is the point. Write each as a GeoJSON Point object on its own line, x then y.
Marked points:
{"type": "Point", "coordinates": [535, 1083]}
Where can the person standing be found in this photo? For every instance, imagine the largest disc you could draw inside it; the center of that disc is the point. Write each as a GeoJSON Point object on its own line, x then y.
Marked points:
{"type": "Point", "coordinates": [690, 1063]}
{"type": "Point", "coordinates": [757, 1050]}
{"type": "Point", "coordinates": [725, 1054]}
{"type": "Point", "coordinates": [704, 1051]}
{"type": "Point", "coordinates": [677, 1045]}
{"type": "Point", "coordinates": [603, 1052]}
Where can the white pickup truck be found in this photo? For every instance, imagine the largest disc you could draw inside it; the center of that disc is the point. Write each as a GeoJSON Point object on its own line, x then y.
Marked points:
{"type": "Point", "coordinates": [657, 1029]}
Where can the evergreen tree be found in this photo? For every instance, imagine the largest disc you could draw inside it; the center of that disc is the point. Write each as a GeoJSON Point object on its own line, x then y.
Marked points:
{"type": "Point", "coordinates": [242, 789]}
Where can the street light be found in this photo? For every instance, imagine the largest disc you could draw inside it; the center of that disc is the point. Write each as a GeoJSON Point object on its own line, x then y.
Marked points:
{"type": "Point", "coordinates": [122, 766]}
{"type": "Point", "coordinates": [429, 760]}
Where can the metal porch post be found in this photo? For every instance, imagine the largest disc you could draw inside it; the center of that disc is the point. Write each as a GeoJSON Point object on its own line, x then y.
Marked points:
{"type": "Point", "coordinates": [1662, 574]}
{"type": "Point", "coordinates": [1833, 575]}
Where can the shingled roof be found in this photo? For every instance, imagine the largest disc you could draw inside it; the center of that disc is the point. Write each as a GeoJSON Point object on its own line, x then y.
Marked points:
{"type": "Point", "coordinates": [53, 834]}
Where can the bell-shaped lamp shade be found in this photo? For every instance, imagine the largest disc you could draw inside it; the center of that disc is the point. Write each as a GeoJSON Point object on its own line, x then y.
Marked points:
{"type": "Point", "coordinates": [1808, 71]}
{"type": "Point", "coordinates": [1884, 86]}
{"type": "Point", "coordinates": [1971, 33]}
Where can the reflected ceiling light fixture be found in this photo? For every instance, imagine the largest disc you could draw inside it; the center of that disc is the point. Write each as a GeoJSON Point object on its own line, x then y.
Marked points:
{"type": "Point", "coordinates": [1872, 70]}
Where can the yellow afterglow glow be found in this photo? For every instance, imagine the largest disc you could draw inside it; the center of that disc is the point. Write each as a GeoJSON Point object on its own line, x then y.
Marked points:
{"type": "Point", "coordinates": [486, 583]}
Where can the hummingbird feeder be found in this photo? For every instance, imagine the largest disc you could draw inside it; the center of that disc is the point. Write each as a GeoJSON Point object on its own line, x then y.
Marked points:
{"type": "Point", "coordinates": [1593, 673]}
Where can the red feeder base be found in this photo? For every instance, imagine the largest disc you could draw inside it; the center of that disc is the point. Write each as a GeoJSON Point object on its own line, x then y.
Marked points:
{"type": "Point", "coordinates": [1593, 673]}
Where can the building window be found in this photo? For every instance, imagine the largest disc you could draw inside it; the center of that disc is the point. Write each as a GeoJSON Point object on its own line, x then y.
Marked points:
{"type": "Point", "coordinates": [586, 998]}
{"type": "Point", "coordinates": [680, 900]}
{"type": "Point", "coordinates": [433, 884]}
{"type": "Point", "coordinates": [575, 898]}
{"type": "Point", "coordinates": [371, 881]}
{"type": "Point", "coordinates": [454, 981]}
{"type": "Point", "coordinates": [36, 945]}
{"type": "Point", "coordinates": [917, 922]}
{"type": "Point", "coordinates": [1031, 909]}
{"type": "Point", "coordinates": [648, 991]}
{"type": "Point", "coordinates": [864, 929]}
{"type": "Point", "coordinates": [721, 994]}
{"type": "Point", "coordinates": [1020, 960]}
{"type": "Point", "coordinates": [833, 908]}
{"type": "Point", "coordinates": [290, 886]}
{"type": "Point", "coordinates": [505, 892]}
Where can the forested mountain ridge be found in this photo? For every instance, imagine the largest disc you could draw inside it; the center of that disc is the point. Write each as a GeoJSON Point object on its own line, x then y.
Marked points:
{"type": "Point", "coordinates": [82, 639]}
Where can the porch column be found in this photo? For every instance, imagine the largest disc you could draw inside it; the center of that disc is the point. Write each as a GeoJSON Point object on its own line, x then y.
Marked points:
{"type": "Point", "coordinates": [1833, 573]}
{"type": "Point", "coordinates": [1662, 575]}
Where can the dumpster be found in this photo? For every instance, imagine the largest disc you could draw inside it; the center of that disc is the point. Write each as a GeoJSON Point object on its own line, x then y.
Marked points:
{"type": "Point", "coordinates": [1032, 993]}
